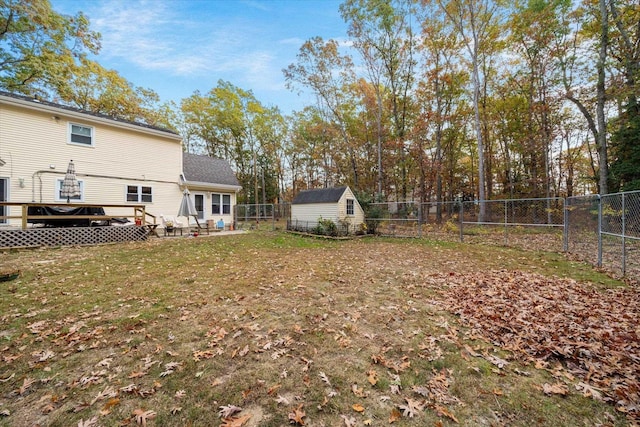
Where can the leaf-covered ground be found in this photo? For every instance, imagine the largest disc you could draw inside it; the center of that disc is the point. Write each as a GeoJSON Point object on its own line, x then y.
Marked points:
{"type": "Point", "coordinates": [267, 329]}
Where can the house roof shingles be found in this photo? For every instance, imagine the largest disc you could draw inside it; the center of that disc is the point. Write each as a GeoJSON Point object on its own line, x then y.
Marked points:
{"type": "Point", "coordinates": [37, 101]}
{"type": "Point", "coordinates": [207, 169]}
{"type": "Point", "coordinates": [322, 195]}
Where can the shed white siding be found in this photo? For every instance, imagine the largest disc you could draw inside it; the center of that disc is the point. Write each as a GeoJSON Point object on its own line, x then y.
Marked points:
{"type": "Point", "coordinates": [358, 214]}
{"type": "Point", "coordinates": [306, 215]}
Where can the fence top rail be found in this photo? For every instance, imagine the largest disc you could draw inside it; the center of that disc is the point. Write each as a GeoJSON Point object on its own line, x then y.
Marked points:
{"type": "Point", "coordinates": [254, 204]}
{"type": "Point", "coordinates": [539, 199]}
{"type": "Point", "coordinates": [624, 193]}
{"type": "Point", "coordinates": [513, 224]}
{"type": "Point", "coordinates": [626, 236]}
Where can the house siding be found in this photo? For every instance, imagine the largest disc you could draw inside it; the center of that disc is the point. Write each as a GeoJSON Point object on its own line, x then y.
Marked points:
{"type": "Point", "coordinates": [119, 157]}
{"type": "Point", "coordinates": [208, 214]}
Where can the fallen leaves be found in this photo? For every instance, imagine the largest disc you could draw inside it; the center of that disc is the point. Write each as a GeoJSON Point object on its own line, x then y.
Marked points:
{"type": "Point", "coordinates": [394, 416]}
{"type": "Point", "coordinates": [556, 388]}
{"type": "Point", "coordinates": [228, 411]}
{"type": "Point", "coordinates": [357, 407]}
{"type": "Point", "coordinates": [235, 421]}
{"type": "Point", "coordinates": [372, 377]}
{"type": "Point", "coordinates": [26, 384]}
{"type": "Point", "coordinates": [296, 416]}
{"type": "Point", "coordinates": [592, 332]}
{"type": "Point", "coordinates": [412, 408]}
{"type": "Point", "coordinates": [92, 422]}
{"type": "Point", "coordinates": [142, 416]}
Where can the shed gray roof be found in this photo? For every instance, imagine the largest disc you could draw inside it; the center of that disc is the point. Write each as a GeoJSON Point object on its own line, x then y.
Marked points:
{"type": "Point", "coordinates": [208, 170]}
{"type": "Point", "coordinates": [321, 195]}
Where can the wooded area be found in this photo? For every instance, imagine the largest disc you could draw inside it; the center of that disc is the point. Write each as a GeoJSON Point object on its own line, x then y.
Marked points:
{"type": "Point", "coordinates": [431, 100]}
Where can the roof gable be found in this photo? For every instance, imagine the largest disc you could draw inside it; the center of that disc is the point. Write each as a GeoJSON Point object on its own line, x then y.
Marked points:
{"type": "Point", "coordinates": [320, 195]}
{"type": "Point", "coordinates": [210, 170]}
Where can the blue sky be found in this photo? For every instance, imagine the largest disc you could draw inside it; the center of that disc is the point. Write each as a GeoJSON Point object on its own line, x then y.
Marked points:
{"type": "Point", "coordinates": [178, 46]}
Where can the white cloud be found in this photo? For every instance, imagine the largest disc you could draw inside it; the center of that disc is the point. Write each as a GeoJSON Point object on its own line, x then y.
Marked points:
{"type": "Point", "coordinates": [177, 46]}
{"type": "Point", "coordinates": [154, 36]}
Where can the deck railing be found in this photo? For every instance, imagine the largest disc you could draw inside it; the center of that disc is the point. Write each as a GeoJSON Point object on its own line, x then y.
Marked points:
{"type": "Point", "coordinates": [136, 213]}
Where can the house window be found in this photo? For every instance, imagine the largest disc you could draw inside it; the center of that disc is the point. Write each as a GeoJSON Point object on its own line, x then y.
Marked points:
{"type": "Point", "coordinates": [215, 204]}
{"type": "Point", "coordinates": [60, 198]}
{"type": "Point", "coordinates": [82, 135]}
{"type": "Point", "coordinates": [220, 204]}
{"type": "Point", "coordinates": [139, 194]}
{"type": "Point", "coordinates": [350, 210]}
{"type": "Point", "coordinates": [226, 204]}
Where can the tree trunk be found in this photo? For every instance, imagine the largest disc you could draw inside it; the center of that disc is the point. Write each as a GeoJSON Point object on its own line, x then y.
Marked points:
{"type": "Point", "coordinates": [601, 99]}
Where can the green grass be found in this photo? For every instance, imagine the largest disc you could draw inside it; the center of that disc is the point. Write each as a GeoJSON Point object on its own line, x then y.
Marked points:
{"type": "Point", "coordinates": [253, 320]}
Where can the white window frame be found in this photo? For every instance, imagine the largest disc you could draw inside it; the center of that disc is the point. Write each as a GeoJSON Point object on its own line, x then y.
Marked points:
{"type": "Point", "coordinates": [221, 205]}
{"type": "Point", "coordinates": [81, 144]}
{"type": "Point", "coordinates": [59, 198]}
{"type": "Point", "coordinates": [139, 194]}
{"type": "Point", "coordinates": [353, 207]}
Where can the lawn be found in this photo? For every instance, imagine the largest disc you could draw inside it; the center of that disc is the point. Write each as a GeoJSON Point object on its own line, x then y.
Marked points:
{"type": "Point", "coordinates": [270, 329]}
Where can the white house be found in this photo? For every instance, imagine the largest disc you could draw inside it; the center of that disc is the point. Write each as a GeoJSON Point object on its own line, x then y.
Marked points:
{"type": "Point", "coordinates": [337, 204]}
{"type": "Point", "coordinates": [213, 187]}
{"type": "Point", "coordinates": [117, 162]}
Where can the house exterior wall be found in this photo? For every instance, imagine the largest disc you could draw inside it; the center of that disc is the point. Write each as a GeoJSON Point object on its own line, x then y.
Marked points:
{"type": "Point", "coordinates": [207, 194]}
{"type": "Point", "coordinates": [34, 143]}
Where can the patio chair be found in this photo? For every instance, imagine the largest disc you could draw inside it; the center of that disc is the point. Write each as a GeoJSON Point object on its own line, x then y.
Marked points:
{"type": "Point", "coordinates": [169, 222]}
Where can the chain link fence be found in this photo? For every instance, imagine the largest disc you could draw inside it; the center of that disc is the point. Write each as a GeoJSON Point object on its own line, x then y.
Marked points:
{"type": "Point", "coordinates": [256, 216]}
{"type": "Point", "coordinates": [397, 219]}
{"type": "Point", "coordinates": [582, 228]}
{"type": "Point", "coordinates": [601, 230]}
{"type": "Point", "coordinates": [620, 232]}
{"type": "Point", "coordinates": [524, 223]}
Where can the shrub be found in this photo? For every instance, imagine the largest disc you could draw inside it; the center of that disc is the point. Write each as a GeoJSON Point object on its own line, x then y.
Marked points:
{"type": "Point", "coordinates": [329, 227]}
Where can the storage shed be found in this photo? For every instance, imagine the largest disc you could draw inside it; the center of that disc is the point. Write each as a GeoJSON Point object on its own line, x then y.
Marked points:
{"type": "Point", "coordinates": [337, 204]}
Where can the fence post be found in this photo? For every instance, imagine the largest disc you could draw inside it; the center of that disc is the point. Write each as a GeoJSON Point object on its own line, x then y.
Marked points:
{"type": "Point", "coordinates": [624, 242]}
{"type": "Point", "coordinates": [273, 217]}
{"type": "Point", "coordinates": [599, 230]}
{"type": "Point", "coordinates": [419, 220]}
{"type": "Point", "coordinates": [461, 220]}
{"type": "Point", "coordinates": [506, 221]}
{"type": "Point", "coordinates": [25, 214]}
{"type": "Point", "coordinates": [565, 228]}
